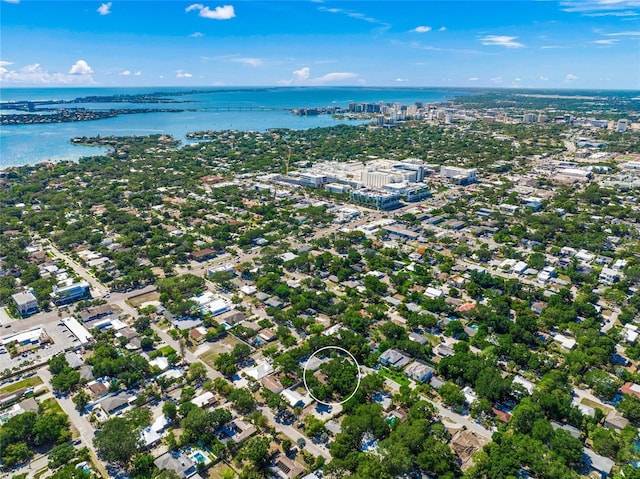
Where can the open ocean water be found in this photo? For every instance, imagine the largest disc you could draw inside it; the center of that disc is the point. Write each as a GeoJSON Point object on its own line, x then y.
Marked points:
{"type": "Point", "coordinates": [29, 144]}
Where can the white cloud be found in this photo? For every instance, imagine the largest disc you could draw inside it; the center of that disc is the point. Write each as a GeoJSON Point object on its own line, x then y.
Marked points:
{"type": "Point", "coordinates": [35, 75]}
{"type": "Point", "coordinates": [552, 47]}
{"type": "Point", "coordinates": [183, 74]}
{"type": "Point", "coordinates": [474, 79]}
{"type": "Point", "coordinates": [608, 41]}
{"type": "Point", "coordinates": [497, 79]}
{"type": "Point", "coordinates": [138, 73]}
{"type": "Point", "coordinates": [570, 77]}
{"type": "Point", "coordinates": [627, 13]}
{"type": "Point", "coordinates": [502, 41]}
{"type": "Point", "coordinates": [543, 78]}
{"type": "Point", "coordinates": [422, 29]}
{"type": "Point", "coordinates": [442, 29]}
{"type": "Point", "coordinates": [254, 62]}
{"type": "Point", "coordinates": [356, 15]}
{"type": "Point", "coordinates": [125, 73]}
{"type": "Point", "coordinates": [105, 8]}
{"type": "Point", "coordinates": [401, 80]}
{"type": "Point", "coordinates": [302, 74]}
{"type": "Point", "coordinates": [80, 68]}
{"type": "Point", "coordinates": [224, 12]}
{"type": "Point", "coordinates": [197, 35]}
{"type": "Point", "coordinates": [11, 1]}
{"type": "Point", "coordinates": [334, 76]}
{"type": "Point", "coordinates": [624, 34]}
{"type": "Point", "coordinates": [585, 6]}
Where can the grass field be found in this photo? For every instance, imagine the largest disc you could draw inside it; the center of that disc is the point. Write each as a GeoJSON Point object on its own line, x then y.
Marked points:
{"type": "Point", "coordinates": [399, 378]}
{"type": "Point", "coordinates": [593, 404]}
{"type": "Point", "coordinates": [219, 470]}
{"type": "Point", "coordinates": [25, 383]}
{"type": "Point", "coordinates": [224, 345]}
{"type": "Point", "coordinates": [51, 405]}
{"type": "Point", "coordinates": [166, 350]}
{"type": "Point", "coordinates": [136, 301]}
{"type": "Point", "coordinates": [209, 358]}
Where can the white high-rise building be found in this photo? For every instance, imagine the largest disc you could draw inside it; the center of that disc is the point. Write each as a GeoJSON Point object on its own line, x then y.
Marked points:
{"type": "Point", "coordinates": [623, 125]}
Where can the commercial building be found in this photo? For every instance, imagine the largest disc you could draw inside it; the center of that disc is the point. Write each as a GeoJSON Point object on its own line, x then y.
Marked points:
{"type": "Point", "coordinates": [26, 303]}
{"type": "Point", "coordinates": [25, 340]}
{"type": "Point", "coordinates": [459, 176]}
{"type": "Point", "coordinates": [71, 294]}
{"type": "Point", "coordinates": [377, 199]}
{"type": "Point", "coordinates": [79, 331]}
{"type": "Point", "coordinates": [574, 174]}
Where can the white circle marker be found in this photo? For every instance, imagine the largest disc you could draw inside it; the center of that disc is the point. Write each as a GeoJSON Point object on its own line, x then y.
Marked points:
{"type": "Point", "coordinates": [304, 376]}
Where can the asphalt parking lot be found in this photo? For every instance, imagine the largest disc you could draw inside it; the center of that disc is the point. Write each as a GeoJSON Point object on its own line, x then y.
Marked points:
{"type": "Point", "coordinates": [62, 340]}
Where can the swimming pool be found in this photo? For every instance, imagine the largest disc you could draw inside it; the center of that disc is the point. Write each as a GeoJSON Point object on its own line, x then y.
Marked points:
{"type": "Point", "coordinates": [198, 456]}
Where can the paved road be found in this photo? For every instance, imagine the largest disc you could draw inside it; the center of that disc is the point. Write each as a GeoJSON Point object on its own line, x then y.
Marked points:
{"type": "Point", "coordinates": [444, 411]}
{"type": "Point", "coordinates": [37, 463]}
{"type": "Point", "coordinates": [294, 435]}
{"type": "Point", "coordinates": [84, 427]}
{"type": "Point", "coordinates": [97, 287]}
{"type": "Point", "coordinates": [461, 420]}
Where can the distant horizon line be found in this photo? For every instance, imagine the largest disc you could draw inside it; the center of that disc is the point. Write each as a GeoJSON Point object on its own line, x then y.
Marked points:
{"type": "Point", "coordinates": [285, 87]}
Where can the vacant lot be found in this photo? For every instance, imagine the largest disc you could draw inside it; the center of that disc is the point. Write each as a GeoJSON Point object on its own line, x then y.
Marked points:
{"type": "Point", "coordinates": [215, 349]}
{"type": "Point", "coordinates": [219, 470]}
{"type": "Point", "coordinates": [136, 301]}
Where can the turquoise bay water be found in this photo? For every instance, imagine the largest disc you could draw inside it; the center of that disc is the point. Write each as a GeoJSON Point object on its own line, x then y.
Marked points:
{"type": "Point", "coordinates": [29, 144]}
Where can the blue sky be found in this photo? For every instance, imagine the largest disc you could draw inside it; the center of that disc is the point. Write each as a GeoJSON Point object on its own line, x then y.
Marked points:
{"type": "Point", "coordinates": [539, 44]}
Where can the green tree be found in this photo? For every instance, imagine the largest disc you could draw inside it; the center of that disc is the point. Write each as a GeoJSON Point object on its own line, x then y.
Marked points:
{"type": "Point", "coordinates": [197, 372]}
{"type": "Point", "coordinates": [61, 454]}
{"type": "Point", "coordinates": [451, 394]}
{"type": "Point", "coordinates": [255, 450]}
{"type": "Point", "coordinates": [243, 400]}
{"type": "Point", "coordinates": [170, 410]}
{"type": "Point", "coordinates": [117, 441]}
{"type": "Point", "coordinates": [81, 400]}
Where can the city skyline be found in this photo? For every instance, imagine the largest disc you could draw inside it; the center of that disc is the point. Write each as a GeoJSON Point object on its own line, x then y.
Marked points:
{"type": "Point", "coordinates": [590, 44]}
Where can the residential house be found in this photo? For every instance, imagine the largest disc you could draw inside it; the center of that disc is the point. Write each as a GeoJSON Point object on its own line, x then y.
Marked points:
{"type": "Point", "coordinates": [597, 463]}
{"type": "Point", "coordinates": [394, 358]}
{"type": "Point", "coordinates": [114, 404]}
{"type": "Point", "coordinates": [615, 421]}
{"type": "Point", "coordinates": [609, 275]}
{"type": "Point", "coordinates": [236, 431]}
{"type": "Point", "coordinates": [285, 468]}
{"type": "Point", "coordinates": [419, 370]}
{"type": "Point", "coordinates": [631, 388]}
{"type": "Point", "coordinates": [178, 462]}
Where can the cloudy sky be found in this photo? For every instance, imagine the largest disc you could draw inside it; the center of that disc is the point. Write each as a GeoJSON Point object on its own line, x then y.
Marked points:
{"type": "Point", "coordinates": [541, 44]}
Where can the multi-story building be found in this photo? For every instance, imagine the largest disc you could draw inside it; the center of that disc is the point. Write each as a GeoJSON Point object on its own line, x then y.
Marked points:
{"type": "Point", "coordinates": [71, 294]}
{"type": "Point", "coordinates": [26, 303]}
{"type": "Point", "coordinates": [622, 125]}
{"type": "Point", "coordinates": [378, 199]}
{"type": "Point", "coordinates": [460, 176]}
